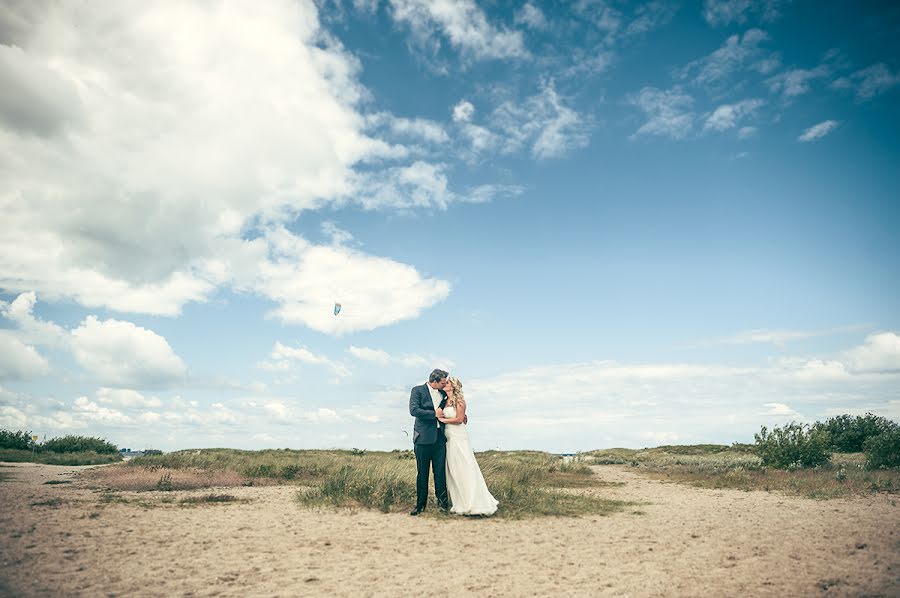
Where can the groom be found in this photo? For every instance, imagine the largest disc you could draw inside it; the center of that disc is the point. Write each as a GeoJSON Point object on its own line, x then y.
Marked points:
{"type": "Point", "coordinates": [426, 402]}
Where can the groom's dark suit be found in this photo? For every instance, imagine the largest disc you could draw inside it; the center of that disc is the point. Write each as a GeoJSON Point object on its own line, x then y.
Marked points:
{"type": "Point", "coordinates": [430, 446]}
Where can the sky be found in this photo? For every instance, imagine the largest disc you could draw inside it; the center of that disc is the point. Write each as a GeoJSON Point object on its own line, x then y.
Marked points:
{"type": "Point", "coordinates": [617, 223]}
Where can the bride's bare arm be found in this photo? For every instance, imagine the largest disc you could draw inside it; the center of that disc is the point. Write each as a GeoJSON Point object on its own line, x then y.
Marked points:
{"type": "Point", "coordinates": [460, 414]}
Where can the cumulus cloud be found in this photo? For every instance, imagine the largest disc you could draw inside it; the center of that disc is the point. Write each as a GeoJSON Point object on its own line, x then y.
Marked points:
{"type": "Point", "coordinates": [136, 187]}
{"type": "Point", "coordinates": [122, 354]}
{"type": "Point", "coordinates": [668, 112]}
{"type": "Point", "coordinates": [19, 361]}
{"type": "Point", "coordinates": [463, 111]}
{"type": "Point", "coordinates": [818, 131]}
{"type": "Point", "coordinates": [31, 329]}
{"type": "Point", "coordinates": [879, 353]}
{"type": "Point", "coordinates": [305, 280]}
{"type": "Point", "coordinates": [463, 23]}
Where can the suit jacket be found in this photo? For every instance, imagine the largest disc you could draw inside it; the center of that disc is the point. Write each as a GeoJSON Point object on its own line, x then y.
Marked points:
{"type": "Point", "coordinates": [425, 430]}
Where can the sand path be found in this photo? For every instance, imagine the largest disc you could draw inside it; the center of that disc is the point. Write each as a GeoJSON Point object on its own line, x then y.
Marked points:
{"type": "Point", "coordinates": [63, 540]}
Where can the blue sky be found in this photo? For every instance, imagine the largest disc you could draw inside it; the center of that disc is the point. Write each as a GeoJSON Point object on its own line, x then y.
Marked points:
{"type": "Point", "coordinates": [619, 224]}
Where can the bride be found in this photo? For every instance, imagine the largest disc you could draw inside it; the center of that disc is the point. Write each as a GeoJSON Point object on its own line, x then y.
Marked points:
{"type": "Point", "coordinates": [468, 492]}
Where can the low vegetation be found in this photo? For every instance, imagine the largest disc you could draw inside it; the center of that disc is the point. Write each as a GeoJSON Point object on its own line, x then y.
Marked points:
{"type": "Point", "coordinates": [18, 446]}
{"type": "Point", "coordinates": [527, 483]}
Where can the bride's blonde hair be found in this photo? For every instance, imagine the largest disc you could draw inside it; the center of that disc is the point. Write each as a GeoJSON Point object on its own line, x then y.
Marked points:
{"type": "Point", "coordinates": [456, 385]}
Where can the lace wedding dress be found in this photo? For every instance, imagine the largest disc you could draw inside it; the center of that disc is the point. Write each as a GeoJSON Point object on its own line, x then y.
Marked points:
{"type": "Point", "coordinates": [469, 494]}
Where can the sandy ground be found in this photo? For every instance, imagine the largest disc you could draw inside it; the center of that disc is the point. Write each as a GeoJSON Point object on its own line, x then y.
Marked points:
{"type": "Point", "coordinates": [683, 542]}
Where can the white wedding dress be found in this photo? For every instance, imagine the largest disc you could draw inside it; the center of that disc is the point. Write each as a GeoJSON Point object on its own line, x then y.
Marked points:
{"type": "Point", "coordinates": [469, 494]}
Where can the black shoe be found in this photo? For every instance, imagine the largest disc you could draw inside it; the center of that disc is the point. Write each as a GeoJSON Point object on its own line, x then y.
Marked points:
{"type": "Point", "coordinates": [415, 512]}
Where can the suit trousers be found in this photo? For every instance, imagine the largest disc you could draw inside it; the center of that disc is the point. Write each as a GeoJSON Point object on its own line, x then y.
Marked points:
{"type": "Point", "coordinates": [434, 455]}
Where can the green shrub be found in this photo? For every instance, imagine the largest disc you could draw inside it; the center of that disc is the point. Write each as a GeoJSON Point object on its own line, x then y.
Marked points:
{"type": "Point", "coordinates": [794, 445]}
{"type": "Point", "coordinates": [79, 444]}
{"type": "Point", "coordinates": [883, 451]}
{"type": "Point", "coordinates": [15, 440]}
{"type": "Point", "coordinates": [848, 434]}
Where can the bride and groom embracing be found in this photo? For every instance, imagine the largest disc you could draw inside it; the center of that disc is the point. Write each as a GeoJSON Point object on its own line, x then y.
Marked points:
{"type": "Point", "coordinates": [441, 441]}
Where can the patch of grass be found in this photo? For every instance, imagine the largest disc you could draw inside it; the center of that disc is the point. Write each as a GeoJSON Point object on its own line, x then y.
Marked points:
{"type": "Point", "coordinates": [52, 502]}
{"type": "Point", "coordinates": [721, 466]}
{"type": "Point", "coordinates": [209, 499]}
{"type": "Point", "coordinates": [55, 482]}
{"type": "Point", "coordinates": [50, 458]}
{"type": "Point", "coordinates": [527, 483]}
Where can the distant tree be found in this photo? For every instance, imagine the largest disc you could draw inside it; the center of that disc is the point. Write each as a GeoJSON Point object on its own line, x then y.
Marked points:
{"type": "Point", "coordinates": [794, 445]}
{"type": "Point", "coordinates": [848, 434]}
{"type": "Point", "coordinates": [79, 444]}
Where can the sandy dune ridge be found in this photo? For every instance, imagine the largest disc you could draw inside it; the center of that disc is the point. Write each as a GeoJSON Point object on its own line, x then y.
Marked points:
{"type": "Point", "coordinates": [64, 540]}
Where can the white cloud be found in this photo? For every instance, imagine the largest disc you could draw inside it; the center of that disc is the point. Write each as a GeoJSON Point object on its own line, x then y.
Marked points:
{"type": "Point", "coordinates": [463, 111]}
{"type": "Point", "coordinates": [19, 361]}
{"type": "Point", "coordinates": [725, 12]}
{"type": "Point", "coordinates": [463, 23]}
{"type": "Point", "coordinates": [651, 15]}
{"type": "Point", "coordinates": [738, 52]}
{"type": "Point", "coordinates": [306, 280]}
{"type": "Point", "coordinates": [31, 329]}
{"type": "Point", "coordinates": [779, 338]}
{"type": "Point", "coordinates": [91, 411]}
{"type": "Point", "coordinates": [415, 128]}
{"type": "Point", "coordinates": [879, 353]}
{"type": "Point", "coordinates": [796, 82]}
{"type": "Point", "coordinates": [818, 131]}
{"type": "Point", "coordinates": [781, 409]}
{"type": "Point", "coordinates": [124, 355]}
{"type": "Point", "coordinates": [746, 132]}
{"type": "Point", "coordinates": [321, 415]}
{"type": "Point", "coordinates": [869, 82]}
{"type": "Point", "coordinates": [543, 123]}
{"type": "Point", "coordinates": [382, 357]}
{"type": "Point", "coordinates": [142, 190]}
{"type": "Point", "coordinates": [531, 16]}
{"type": "Point", "coordinates": [126, 398]}
{"type": "Point", "coordinates": [727, 116]}
{"type": "Point", "coordinates": [668, 112]}
{"type": "Point", "coordinates": [283, 355]}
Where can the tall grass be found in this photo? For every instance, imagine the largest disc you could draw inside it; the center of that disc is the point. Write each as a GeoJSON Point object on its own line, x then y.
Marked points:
{"type": "Point", "coordinates": [527, 483]}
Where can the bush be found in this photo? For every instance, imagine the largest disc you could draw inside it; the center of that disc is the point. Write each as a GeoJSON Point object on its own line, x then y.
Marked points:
{"type": "Point", "coordinates": [794, 445]}
{"type": "Point", "coordinates": [79, 444]}
{"type": "Point", "coordinates": [848, 434]}
{"type": "Point", "coordinates": [15, 440]}
{"type": "Point", "coordinates": [883, 451]}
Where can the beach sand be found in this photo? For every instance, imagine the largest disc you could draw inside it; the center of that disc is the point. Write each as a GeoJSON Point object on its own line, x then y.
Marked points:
{"type": "Point", "coordinates": [65, 540]}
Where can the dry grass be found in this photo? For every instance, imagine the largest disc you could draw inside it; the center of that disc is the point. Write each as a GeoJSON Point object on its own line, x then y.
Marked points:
{"type": "Point", "coordinates": [527, 483]}
{"type": "Point", "coordinates": [140, 479]}
{"type": "Point", "coordinates": [50, 458]}
{"type": "Point", "coordinates": [720, 466]}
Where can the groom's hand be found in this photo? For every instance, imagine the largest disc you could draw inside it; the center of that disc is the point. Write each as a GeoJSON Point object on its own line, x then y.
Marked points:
{"type": "Point", "coordinates": [439, 412]}
{"type": "Point", "coordinates": [465, 419]}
